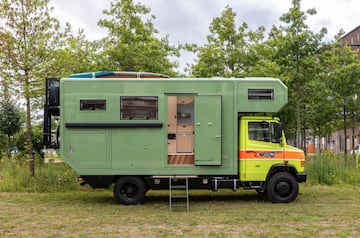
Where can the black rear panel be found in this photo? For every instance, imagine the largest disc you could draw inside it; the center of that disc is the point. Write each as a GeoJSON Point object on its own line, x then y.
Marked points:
{"type": "Point", "coordinates": [51, 113]}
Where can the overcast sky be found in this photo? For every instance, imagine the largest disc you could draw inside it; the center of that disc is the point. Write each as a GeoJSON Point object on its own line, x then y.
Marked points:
{"type": "Point", "coordinates": [187, 21]}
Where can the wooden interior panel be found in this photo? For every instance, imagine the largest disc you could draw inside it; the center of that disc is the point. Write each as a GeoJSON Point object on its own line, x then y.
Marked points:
{"type": "Point", "coordinates": [180, 159]}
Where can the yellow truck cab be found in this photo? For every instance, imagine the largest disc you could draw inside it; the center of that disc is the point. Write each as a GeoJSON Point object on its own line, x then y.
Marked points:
{"type": "Point", "coordinates": [265, 157]}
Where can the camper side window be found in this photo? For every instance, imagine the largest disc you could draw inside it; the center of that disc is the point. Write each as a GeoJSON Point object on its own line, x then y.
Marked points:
{"type": "Point", "coordinates": [139, 108]}
{"type": "Point", "coordinates": [92, 104]}
{"type": "Point", "coordinates": [260, 94]}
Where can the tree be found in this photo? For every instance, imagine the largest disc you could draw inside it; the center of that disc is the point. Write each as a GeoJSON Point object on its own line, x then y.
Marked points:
{"type": "Point", "coordinates": [5, 82]}
{"type": "Point", "coordinates": [232, 51]}
{"type": "Point", "coordinates": [131, 44]}
{"type": "Point", "coordinates": [296, 48]}
{"type": "Point", "coordinates": [10, 121]}
{"type": "Point", "coordinates": [27, 33]}
{"type": "Point", "coordinates": [321, 109]}
{"type": "Point", "coordinates": [75, 54]}
{"type": "Point", "coordinates": [345, 86]}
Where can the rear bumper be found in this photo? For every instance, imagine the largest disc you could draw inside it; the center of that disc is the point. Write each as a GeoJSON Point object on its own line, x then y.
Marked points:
{"type": "Point", "coordinates": [301, 177]}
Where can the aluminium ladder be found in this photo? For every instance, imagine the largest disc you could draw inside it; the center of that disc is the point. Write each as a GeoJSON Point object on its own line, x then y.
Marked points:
{"type": "Point", "coordinates": [182, 199]}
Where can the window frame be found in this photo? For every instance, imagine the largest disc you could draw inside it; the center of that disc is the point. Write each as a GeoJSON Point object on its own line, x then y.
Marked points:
{"type": "Point", "coordinates": [139, 108]}
{"type": "Point", "coordinates": [267, 134]}
{"type": "Point", "coordinates": [93, 104]}
{"type": "Point", "coordinates": [261, 94]}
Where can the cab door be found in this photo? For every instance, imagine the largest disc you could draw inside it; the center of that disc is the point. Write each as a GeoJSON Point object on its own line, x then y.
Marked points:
{"type": "Point", "coordinates": [262, 150]}
{"type": "Point", "coordinates": [208, 135]}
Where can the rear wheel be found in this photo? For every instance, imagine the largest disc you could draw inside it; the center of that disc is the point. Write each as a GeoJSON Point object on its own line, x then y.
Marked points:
{"type": "Point", "coordinates": [129, 190]}
{"type": "Point", "coordinates": [282, 188]}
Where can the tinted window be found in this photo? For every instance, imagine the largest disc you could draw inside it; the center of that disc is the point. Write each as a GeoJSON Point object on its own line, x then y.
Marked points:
{"type": "Point", "coordinates": [259, 131]}
{"type": "Point", "coordinates": [138, 108]}
{"type": "Point", "coordinates": [261, 94]}
{"type": "Point", "coordinates": [264, 131]}
{"type": "Point", "coordinates": [92, 104]}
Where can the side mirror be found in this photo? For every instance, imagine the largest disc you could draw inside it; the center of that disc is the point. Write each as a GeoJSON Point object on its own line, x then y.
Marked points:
{"type": "Point", "coordinates": [279, 132]}
{"type": "Point", "coordinates": [279, 129]}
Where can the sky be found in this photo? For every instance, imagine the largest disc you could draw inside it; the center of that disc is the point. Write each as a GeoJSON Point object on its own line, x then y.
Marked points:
{"type": "Point", "coordinates": [188, 21]}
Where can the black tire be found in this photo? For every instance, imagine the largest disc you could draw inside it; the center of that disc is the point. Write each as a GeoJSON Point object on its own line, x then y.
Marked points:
{"type": "Point", "coordinates": [129, 190]}
{"type": "Point", "coordinates": [282, 188]}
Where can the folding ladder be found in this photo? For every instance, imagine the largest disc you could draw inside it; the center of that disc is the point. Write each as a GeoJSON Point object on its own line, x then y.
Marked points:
{"type": "Point", "coordinates": [181, 197]}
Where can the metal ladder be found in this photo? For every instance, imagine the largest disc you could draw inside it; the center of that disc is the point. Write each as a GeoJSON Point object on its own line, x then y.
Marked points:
{"type": "Point", "coordinates": [177, 200]}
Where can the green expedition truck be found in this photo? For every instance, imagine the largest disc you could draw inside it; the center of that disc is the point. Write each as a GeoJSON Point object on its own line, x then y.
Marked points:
{"type": "Point", "coordinates": [138, 130]}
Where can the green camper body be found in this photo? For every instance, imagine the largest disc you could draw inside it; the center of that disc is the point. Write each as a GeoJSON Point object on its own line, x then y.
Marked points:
{"type": "Point", "coordinates": [111, 146]}
{"type": "Point", "coordinates": [138, 132]}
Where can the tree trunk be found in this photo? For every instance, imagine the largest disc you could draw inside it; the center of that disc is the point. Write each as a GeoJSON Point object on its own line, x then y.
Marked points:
{"type": "Point", "coordinates": [298, 125]}
{"type": "Point", "coordinates": [353, 131]}
{"type": "Point", "coordinates": [28, 125]}
{"type": "Point", "coordinates": [345, 132]}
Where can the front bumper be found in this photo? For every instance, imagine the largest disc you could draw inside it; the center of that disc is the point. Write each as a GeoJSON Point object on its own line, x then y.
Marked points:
{"type": "Point", "coordinates": [301, 177]}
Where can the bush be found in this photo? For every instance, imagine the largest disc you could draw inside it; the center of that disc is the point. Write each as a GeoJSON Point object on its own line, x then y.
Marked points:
{"type": "Point", "coordinates": [332, 169]}
{"type": "Point", "coordinates": [52, 177]}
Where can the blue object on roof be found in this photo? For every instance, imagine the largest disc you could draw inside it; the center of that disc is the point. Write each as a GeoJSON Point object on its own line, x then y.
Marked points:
{"type": "Point", "coordinates": [92, 74]}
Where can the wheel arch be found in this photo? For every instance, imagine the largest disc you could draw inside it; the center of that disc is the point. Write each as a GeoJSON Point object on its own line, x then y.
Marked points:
{"type": "Point", "coordinates": [116, 177]}
{"type": "Point", "coordinates": [277, 168]}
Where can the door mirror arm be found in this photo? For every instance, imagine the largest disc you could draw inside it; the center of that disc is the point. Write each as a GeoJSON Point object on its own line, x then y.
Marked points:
{"type": "Point", "coordinates": [280, 133]}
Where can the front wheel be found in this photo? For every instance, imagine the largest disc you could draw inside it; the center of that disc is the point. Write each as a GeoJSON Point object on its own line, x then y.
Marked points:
{"type": "Point", "coordinates": [129, 190]}
{"type": "Point", "coordinates": [282, 188]}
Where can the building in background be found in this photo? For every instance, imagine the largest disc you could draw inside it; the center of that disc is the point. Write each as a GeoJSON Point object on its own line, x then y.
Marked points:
{"type": "Point", "coordinates": [352, 39]}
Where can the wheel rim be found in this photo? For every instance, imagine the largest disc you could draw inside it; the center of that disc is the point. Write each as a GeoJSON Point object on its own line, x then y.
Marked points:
{"type": "Point", "coordinates": [283, 189]}
{"type": "Point", "coordinates": [129, 191]}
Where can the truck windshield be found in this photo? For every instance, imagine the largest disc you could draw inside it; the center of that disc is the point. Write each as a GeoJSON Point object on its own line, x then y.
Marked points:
{"type": "Point", "coordinates": [264, 131]}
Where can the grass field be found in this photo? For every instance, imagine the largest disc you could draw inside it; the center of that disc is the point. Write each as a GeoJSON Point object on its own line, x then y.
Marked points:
{"type": "Point", "coordinates": [319, 211]}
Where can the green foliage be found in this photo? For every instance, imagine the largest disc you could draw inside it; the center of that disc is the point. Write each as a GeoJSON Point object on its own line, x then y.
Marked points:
{"type": "Point", "coordinates": [233, 51]}
{"type": "Point", "coordinates": [10, 119]}
{"type": "Point", "coordinates": [27, 33]}
{"type": "Point", "coordinates": [10, 125]}
{"type": "Point", "coordinates": [76, 55]}
{"type": "Point", "coordinates": [296, 50]}
{"type": "Point", "coordinates": [21, 139]}
{"type": "Point", "coordinates": [52, 177]}
{"type": "Point", "coordinates": [333, 169]}
{"type": "Point", "coordinates": [131, 44]}
{"type": "Point", "coordinates": [344, 83]}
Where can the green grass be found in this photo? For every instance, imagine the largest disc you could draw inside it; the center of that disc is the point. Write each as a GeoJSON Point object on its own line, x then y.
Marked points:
{"type": "Point", "coordinates": [52, 204]}
{"type": "Point", "coordinates": [15, 176]}
{"type": "Point", "coordinates": [319, 211]}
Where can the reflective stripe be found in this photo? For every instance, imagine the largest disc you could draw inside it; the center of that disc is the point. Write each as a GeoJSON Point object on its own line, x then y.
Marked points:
{"type": "Point", "coordinates": [270, 154]}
